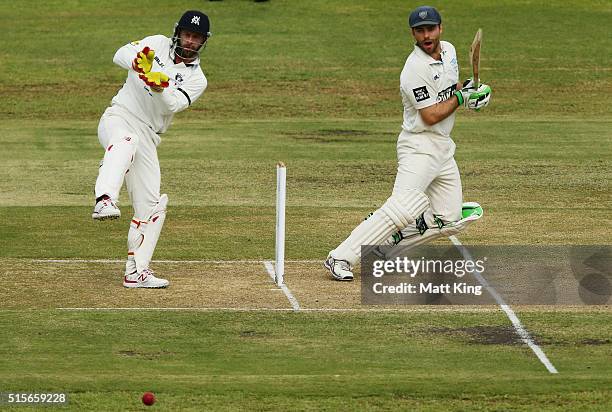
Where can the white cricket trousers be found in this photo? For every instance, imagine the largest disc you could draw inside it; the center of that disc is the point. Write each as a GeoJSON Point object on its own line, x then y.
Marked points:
{"type": "Point", "coordinates": [131, 154]}
{"type": "Point", "coordinates": [426, 162]}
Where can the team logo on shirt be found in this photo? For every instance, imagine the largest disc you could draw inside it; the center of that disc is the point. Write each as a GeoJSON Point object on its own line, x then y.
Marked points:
{"type": "Point", "coordinates": [421, 93]}
{"type": "Point", "coordinates": [179, 78]}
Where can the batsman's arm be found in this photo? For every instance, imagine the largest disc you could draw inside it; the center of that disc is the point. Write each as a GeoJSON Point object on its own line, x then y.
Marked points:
{"type": "Point", "coordinates": [177, 98]}
{"type": "Point", "coordinates": [439, 111]}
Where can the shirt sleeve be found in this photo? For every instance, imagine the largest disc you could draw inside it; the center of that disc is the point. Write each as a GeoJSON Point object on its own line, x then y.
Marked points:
{"type": "Point", "coordinates": [126, 54]}
{"type": "Point", "coordinates": [176, 99]}
{"type": "Point", "coordinates": [419, 91]}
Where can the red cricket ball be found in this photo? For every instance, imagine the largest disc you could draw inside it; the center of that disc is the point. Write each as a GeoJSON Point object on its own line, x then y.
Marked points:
{"type": "Point", "coordinates": [148, 398]}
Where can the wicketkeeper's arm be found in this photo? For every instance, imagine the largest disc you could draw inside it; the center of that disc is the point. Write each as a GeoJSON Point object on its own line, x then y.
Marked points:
{"type": "Point", "coordinates": [125, 55]}
{"type": "Point", "coordinates": [177, 99]}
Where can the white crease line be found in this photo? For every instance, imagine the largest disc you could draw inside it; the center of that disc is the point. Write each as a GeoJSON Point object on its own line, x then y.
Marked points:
{"type": "Point", "coordinates": [294, 303]}
{"type": "Point", "coordinates": [233, 309]}
{"type": "Point", "coordinates": [204, 261]}
{"type": "Point", "coordinates": [118, 309]}
{"type": "Point", "coordinates": [518, 326]}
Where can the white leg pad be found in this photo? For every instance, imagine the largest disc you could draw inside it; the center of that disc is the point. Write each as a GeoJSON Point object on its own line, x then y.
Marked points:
{"type": "Point", "coordinates": [143, 236]}
{"type": "Point", "coordinates": [398, 212]}
{"type": "Point", "coordinates": [135, 238]}
{"type": "Point", "coordinates": [413, 238]}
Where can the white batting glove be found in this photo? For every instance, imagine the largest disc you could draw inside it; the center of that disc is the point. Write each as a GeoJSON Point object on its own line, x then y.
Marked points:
{"type": "Point", "coordinates": [468, 84]}
{"type": "Point", "coordinates": [480, 98]}
{"type": "Point", "coordinates": [474, 99]}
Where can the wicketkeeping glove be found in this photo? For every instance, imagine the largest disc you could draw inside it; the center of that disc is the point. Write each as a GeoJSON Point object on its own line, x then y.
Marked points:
{"type": "Point", "coordinates": [156, 80]}
{"type": "Point", "coordinates": [474, 99]}
{"type": "Point", "coordinates": [144, 60]}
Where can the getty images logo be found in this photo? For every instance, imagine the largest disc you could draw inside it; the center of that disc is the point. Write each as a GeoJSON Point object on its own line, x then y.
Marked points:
{"type": "Point", "coordinates": [195, 20]}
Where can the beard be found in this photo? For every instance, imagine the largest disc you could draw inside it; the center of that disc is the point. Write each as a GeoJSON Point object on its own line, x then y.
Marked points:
{"type": "Point", "coordinates": [186, 53]}
{"type": "Point", "coordinates": [429, 46]}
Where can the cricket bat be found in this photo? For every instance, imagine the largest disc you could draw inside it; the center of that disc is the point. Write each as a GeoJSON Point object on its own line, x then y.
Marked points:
{"type": "Point", "coordinates": [475, 57]}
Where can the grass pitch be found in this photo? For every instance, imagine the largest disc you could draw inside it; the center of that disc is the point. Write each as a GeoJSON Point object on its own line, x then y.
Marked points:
{"type": "Point", "coordinates": [314, 84]}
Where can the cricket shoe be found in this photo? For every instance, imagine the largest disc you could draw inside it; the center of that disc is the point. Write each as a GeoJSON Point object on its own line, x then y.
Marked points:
{"type": "Point", "coordinates": [144, 279]}
{"type": "Point", "coordinates": [105, 209]}
{"type": "Point", "coordinates": [339, 269]}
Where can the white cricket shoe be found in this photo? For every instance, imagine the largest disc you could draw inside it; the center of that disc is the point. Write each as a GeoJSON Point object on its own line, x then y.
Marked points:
{"type": "Point", "coordinates": [105, 209]}
{"type": "Point", "coordinates": [144, 279]}
{"type": "Point", "coordinates": [339, 269]}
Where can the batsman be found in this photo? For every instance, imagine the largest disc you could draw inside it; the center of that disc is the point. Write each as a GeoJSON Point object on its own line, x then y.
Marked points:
{"type": "Point", "coordinates": [427, 200]}
{"type": "Point", "coordinates": [164, 77]}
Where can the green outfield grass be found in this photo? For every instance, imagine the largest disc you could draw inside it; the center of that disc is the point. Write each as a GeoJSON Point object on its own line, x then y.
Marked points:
{"type": "Point", "coordinates": [313, 361]}
{"type": "Point", "coordinates": [314, 84]}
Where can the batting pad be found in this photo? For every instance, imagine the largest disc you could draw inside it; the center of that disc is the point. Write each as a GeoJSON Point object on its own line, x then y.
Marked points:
{"type": "Point", "coordinates": [398, 212]}
{"type": "Point", "coordinates": [150, 231]}
{"type": "Point", "coordinates": [471, 211]}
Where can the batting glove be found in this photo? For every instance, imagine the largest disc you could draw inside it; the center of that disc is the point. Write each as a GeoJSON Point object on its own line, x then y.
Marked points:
{"type": "Point", "coordinates": [468, 84]}
{"type": "Point", "coordinates": [463, 95]}
{"type": "Point", "coordinates": [144, 61]}
{"type": "Point", "coordinates": [157, 81]}
{"type": "Point", "coordinates": [474, 99]}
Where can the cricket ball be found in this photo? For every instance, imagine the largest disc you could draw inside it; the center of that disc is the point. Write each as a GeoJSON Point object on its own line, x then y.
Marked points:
{"type": "Point", "coordinates": [148, 398]}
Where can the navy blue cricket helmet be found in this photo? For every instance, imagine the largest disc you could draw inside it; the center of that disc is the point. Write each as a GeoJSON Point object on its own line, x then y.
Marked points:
{"type": "Point", "coordinates": [194, 21]}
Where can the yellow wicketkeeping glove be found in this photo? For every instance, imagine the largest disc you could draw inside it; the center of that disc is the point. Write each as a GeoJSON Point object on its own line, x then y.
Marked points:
{"type": "Point", "coordinates": [156, 80]}
{"type": "Point", "coordinates": [144, 60]}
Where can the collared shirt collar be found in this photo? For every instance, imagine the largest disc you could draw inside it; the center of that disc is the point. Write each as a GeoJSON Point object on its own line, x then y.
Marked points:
{"type": "Point", "coordinates": [194, 63]}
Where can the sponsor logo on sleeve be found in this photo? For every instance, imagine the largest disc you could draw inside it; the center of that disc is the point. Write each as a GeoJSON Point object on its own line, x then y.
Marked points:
{"type": "Point", "coordinates": [421, 93]}
{"type": "Point", "coordinates": [446, 93]}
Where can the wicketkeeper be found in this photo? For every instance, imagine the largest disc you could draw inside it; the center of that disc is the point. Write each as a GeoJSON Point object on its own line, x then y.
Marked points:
{"type": "Point", "coordinates": [427, 200]}
{"type": "Point", "coordinates": [164, 77]}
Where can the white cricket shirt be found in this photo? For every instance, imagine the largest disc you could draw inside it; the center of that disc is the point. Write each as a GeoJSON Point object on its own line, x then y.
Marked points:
{"type": "Point", "coordinates": [425, 81]}
{"type": "Point", "coordinates": [187, 83]}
